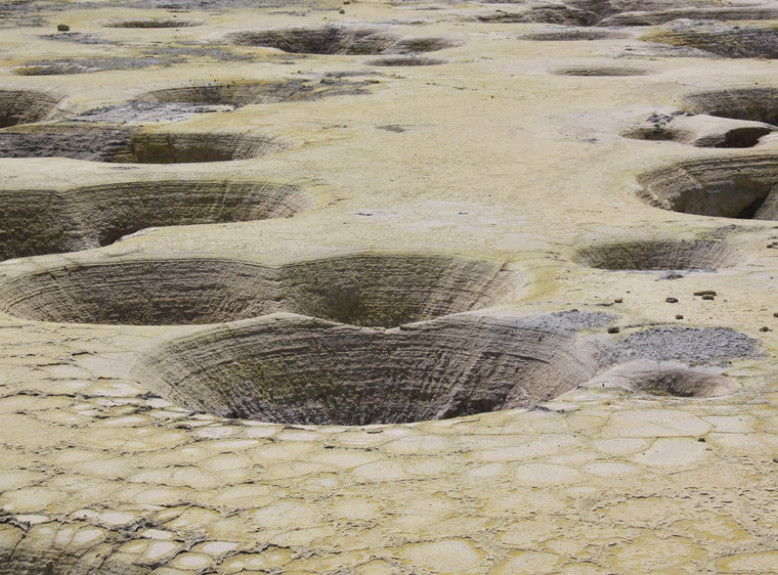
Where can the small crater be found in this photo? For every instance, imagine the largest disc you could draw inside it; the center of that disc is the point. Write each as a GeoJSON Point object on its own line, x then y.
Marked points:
{"type": "Point", "coordinates": [574, 35]}
{"type": "Point", "coordinates": [741, 187]}
{"type": "Point", "coordinates": [152, 23]}
{"type": "Point", "coordinates": [365, 290]}
{"type": "Point", "coordinates": [25, 107]}
{"type": "Point", "coordinates": [288, 369]}
{"type": "Point", "coordinates": [659, 255]}
{"type": "Point", "coordinates": [666, 378]}
{"type": "Point", "coordinates": [603, 71]}
{"type": "Point", "coordinates": [126, 145]}
{"type": "Point", "coordinates": [37, 222]}
{"type": "Point", "coordinates": [245, 93]}
{"type": "Point", "coordinates": [406, 61]}
{"type": "Point", "coordinates": [337, 40]}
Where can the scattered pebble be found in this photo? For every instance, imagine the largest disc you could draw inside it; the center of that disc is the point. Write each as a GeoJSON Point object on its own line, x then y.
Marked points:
{"type": "Point", "coordinates": [764, 328]}
{"type": "Point", "coordinates": [705, 292]}
{"type": "Point", "coordinates": [671, 300]}
{"type": "Point", "coordinates": [619, 300]}
{"type": "Point", "coordinates": [614, 330]}
{"type": "Point", "coordinates": [63, 28]}
{"type": "Point", "coordinates": [708, 297]}
{"type": "Point", "coordinates": [678, 316]}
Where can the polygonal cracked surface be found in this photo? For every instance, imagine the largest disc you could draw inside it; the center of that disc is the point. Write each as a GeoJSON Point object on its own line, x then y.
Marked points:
{"type": "Point", "coordinates": [362, 290]}
{"type": "Point", "coordinates": [659, 255]}
{"type": "Point", "coordinates": [740, 187]}
{"type": "Point", "coordinates": [125, 145]}
{"type": "Point", "coordinates": [293, 370]}
{"type": "Point", "coordinates": [37, 222]}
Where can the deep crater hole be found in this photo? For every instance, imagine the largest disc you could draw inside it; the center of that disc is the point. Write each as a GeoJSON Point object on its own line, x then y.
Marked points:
{"type": "Point", "coordinates": [293, 370]}
{"type": "Point", "coordinates": [338, 40]}
{"type": "Point", "coordinates": [366, 290]}
{"type": "Point", "coordinates": [659, 255]}
{"type": "Point", "coordinates": [126, 145]}
{"type": "Point", "coordinates": [25, 107]}
{"type": "Point", "coordinates": [37, 222]}
{"type": "Point", "coordinates": [743, 188]}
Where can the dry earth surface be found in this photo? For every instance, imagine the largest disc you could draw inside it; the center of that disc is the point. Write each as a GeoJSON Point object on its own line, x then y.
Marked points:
{"type": "Point", "coordinates": [360, 287]}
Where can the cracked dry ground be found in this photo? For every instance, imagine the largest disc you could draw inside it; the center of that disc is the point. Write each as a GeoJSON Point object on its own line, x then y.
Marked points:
{"type": "Point", "coordinates": [319, 287]}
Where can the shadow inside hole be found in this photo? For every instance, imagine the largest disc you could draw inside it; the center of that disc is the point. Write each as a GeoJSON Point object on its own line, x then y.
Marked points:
{"type": "Point", "coordinates": [369, 290]}
{"type": "Point", "coordinates": [288, 369]}
{"type": "Point", "coordinates": [38, 222]}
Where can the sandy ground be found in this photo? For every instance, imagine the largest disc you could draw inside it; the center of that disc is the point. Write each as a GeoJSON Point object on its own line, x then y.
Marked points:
{"type": "Point", "coordinates": [154, 161]}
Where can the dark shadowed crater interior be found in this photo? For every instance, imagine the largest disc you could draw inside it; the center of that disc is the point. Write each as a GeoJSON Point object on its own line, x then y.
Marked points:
{"type": "Point", "coordinates": [755, 104]}
{"type": "Point", "coordinates": [24, 107]}
{"type": "Point", "coordinates": [573, 34]}
{"type": "Point", "coordinates": [659, 255]}
{"type": "Point", "coordinates": [406, 61]}
{"type": "Point", "coordinates": [367, 290]}
{"type": "Point", "coordinates": [288, 369]}
{"type": "Point", "coordinates": [337, 40]}
{"type": "Point", "coordinates": [722, 187]}
{"type": "Point", "coordinates": [37, 222]}
{"type": "Point", "coordinates": [126, 145]}
{"type": "Point", "coordinates": [662, 128]}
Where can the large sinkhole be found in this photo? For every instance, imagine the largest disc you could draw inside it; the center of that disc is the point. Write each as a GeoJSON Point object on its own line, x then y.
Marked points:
{"type": "Point", "coordinates": [24, 107]}
{"type": "Point", "coordinates": [288, 369]}
{"type": "Point", "coordinates": [369, 290]}
{"type": "Point", "coordinates": [126, 145]}
{"type": "Point", "coordinates": [659, 255]}
{"type": "Point", "coordinates": [37, 222]}
{"type": "Point", "coordinates": [742, 187]}
{"type": "Point", "coordinates": [754, 104]}
{"type": "Point", "coordinates": [338, 40]}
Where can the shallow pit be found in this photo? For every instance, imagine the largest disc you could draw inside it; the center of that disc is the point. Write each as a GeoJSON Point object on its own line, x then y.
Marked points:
{"type": "Point", "coordinates": [574, 35]}
{"type": "Point", "coordinates": [666, 379]}
{"type": "Point", "coordinates": [289, 369]}
{"type": "Point", "coordinates": [369, 290]}
{"type": "Point", "coordinates": [37, 222]}
{"type": "Point", "coordinates": [741, 188]}
{"type": "Point", "coordinates": [754, 104]}
{"type": "Point", "coordinates": [126, 145]}
{"type": "Point", "coordinates": [245, 93]}
{"type": "Point", "coordinates": [88, 65]}
{"type": "Point", "coordinates": [25, 107]}
{"type": "Point", "coordinates": [172, 22]}
{"type": "Point", "coordinates": [406, 61]}
{"type": "Point", "coordinates": [337, 40]}
{"type": "Point", "coordinates": [603, 71]}
{"type": "Point", "coordinates": [659, 255]}
{"type": "Point", "coordinates": [666, 127]}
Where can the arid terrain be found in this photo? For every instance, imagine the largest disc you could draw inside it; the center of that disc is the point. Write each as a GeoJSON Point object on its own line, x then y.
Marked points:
{"type": "Point", "coordinates": [366, 288]}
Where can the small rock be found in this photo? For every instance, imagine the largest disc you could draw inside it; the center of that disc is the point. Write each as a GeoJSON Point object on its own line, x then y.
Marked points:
{"type": "Point", "coordinates": [619, 300]}
{"type": "Point", "coordinates": [708, 297]}
{"type": "Point", "coordinates": [63, 28]}
{"type": "Point", "coordinates": [671, 300]}
{"type": "Point", "coordinates": [614, 330]}
{"type": "Point", "coordinates": [775, 314]}
{"type": "Point", "coordinates": [678, 316]}
{"type": "Point", "coordinates": [705, 292]}
{"type": "Point", "coordinates": [341, 11]}
{"type": "Point", "coordinates": [764, 328]}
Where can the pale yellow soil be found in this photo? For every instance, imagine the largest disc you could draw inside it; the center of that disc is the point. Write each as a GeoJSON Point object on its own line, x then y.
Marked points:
{"type": "Point", "coordinates": [491, 155]}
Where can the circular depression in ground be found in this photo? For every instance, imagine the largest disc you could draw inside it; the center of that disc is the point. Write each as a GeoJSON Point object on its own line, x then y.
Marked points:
{"type": "Point", "coordinates": [295, 370]}
{"type": "Point", "coordinates": [37, 222]}
{"type": "Point", "coordinates": [367, 290]}
{"type": "Point", "coordinates": [331, 40]}
{"type": "Point", "coordinates": [126, 145]}
{"type": "Point", "coordinates": [659, 255]}
{"type": "Point", "coordinates": [742, 187]}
